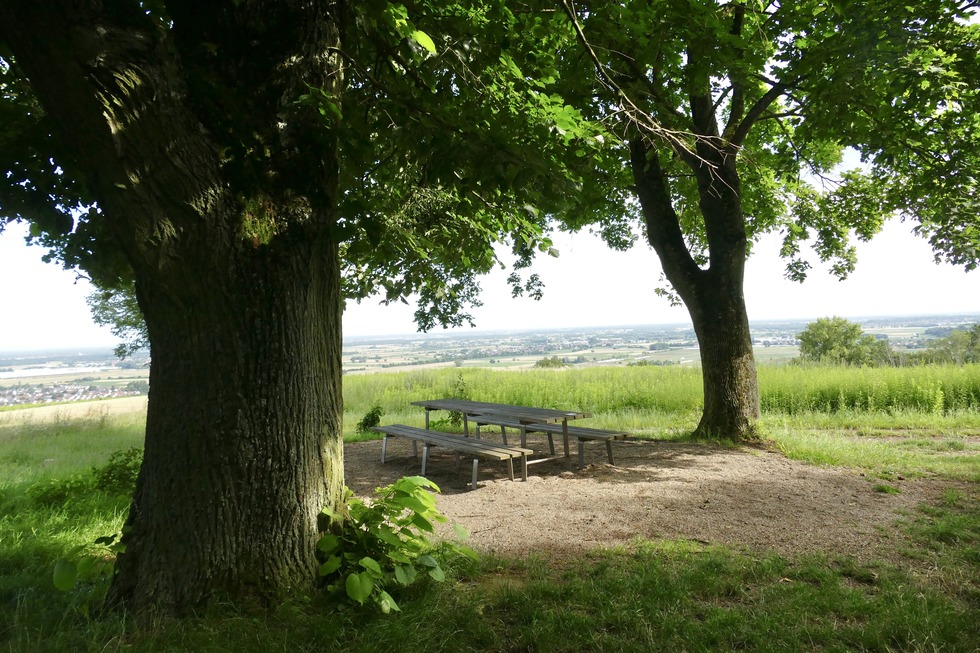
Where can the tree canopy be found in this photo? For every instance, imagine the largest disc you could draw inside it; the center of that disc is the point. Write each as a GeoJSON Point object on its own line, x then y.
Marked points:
{"type": "Point", "coordinates": [787, 88]}
{"type": "Point", "coordinates": [836, 340]}
{"type": "Point", "coordinates": [444, 151]}
{"type": "Point", "coordinates": [248, 165]}
{"type": "Point", "coordinates": [728, 120]}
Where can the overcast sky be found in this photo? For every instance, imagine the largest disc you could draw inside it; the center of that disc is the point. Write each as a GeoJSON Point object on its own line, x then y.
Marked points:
{"type": "Point", "coordinates": [43, 306]}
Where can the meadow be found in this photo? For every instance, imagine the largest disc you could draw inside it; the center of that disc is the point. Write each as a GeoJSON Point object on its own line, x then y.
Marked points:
{"type": "Point", "coordinates": [63, 483]}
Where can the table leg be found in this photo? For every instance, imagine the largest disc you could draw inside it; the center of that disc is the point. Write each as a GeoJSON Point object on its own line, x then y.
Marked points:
{"type": "Point", "coordinates": [564, 435]}
{"type": "Point", "coordinates": [476, 466]}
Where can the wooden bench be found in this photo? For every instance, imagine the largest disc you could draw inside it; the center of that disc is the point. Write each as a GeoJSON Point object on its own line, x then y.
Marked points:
{"type": "Point", "coordinates": [582, 433]}
{"type": "Point", "coordinates": [461, 445]}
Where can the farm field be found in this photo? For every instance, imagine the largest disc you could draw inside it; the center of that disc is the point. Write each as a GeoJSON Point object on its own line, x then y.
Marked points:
{"type": "Point", "coordinates": [517, 350]}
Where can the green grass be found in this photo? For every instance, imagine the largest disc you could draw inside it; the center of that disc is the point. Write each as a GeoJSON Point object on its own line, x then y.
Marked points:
{"type": "Point", "coordinates": [664, 595]}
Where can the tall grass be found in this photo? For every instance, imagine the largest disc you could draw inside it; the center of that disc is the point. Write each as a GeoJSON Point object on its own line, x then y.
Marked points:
{"type": "Point", "coordinates": [626, 392]}
{"type": "Point", "coordinates": [33, 449]}
{"type": "Point", "coordinates": [933, 389]}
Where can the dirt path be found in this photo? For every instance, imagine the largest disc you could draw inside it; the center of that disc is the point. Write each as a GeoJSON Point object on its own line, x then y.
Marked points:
{"type": "Point", "coordinates": [746, 498]}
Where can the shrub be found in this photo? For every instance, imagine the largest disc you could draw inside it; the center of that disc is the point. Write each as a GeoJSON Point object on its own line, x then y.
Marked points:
{"type": "Point", "coordinates": [119, 474]}
{"type": "Point", "coordinates": [371, 418]}
{"type": "Point", "coordinates": [552, 362]}
{"type": "Point", "coordinates": [116, 476]}
{"type": "Point", "coordinates": [381, 544]}
{"type": "Point", "coordinates": [59, 491]}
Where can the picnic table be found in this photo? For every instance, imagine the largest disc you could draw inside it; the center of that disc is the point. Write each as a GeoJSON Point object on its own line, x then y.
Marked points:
{"type": "Point", "coordinates": [525, 415]}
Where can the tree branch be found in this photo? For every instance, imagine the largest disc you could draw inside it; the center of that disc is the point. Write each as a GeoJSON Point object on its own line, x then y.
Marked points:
{"type": "Point", "coordinates": [638, 117]}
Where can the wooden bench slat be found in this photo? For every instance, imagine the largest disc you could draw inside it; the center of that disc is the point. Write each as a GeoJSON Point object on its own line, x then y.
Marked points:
{"type": "Point", "coordinates": [581, 433]}
{"type": "Point", "coordinates": [478, 448]}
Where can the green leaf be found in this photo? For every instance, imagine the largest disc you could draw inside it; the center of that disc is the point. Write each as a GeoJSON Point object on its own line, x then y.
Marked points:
{"type": "Point", "coordinates": [359, 586]}
{"type": "Point", "coordinates": [328, 543]}
{"type": "Point", "coordinates": [65, 574]}
{"type": "Point", "coordinates": [387, 603]}
{"type": "Point", "coordinates": [428, 561]}
{"type": "Point", "coordinates": [86, 564]}
{"type": "Point", "coordinates": [422, 523]}
{"type": "Point", "coordinates": [388, 536]}
{"type": "Point", "coordinates": [409, 484]}
{"type": "Point", "coordinates": [424, 40]}
{"type": "Point", "coordinates": [405, 574]}
{"type": "Point", "coordinates": [371, 565]}
{"type": "Point", "coordinates": [331, 565]}
{"type": "Point", "coordinates": [461, 532]}
{"type": "Point", "coordinates": [437, 574]}
{"type": "Point", "coordinates": [412, 503]}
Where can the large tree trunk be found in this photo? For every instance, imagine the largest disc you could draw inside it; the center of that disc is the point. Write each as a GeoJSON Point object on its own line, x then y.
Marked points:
{"type": "Point", "coordinates": [219, 187]}
{"type": "Point", "coordinates": [243, 435]}
{"type": "Point", "coordinates": [713, 296]}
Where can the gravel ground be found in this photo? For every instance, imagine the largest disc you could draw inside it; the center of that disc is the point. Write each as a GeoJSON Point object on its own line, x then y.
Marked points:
{"type": "Point", "coordinates": [750, 499]}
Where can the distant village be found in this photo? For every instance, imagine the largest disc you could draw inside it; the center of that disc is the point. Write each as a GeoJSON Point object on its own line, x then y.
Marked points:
{"type": "Point", "coordinates": [63, 392]}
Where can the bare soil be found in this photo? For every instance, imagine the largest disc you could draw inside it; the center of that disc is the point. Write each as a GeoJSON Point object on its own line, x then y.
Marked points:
{"type": "Point", "coordinates": [746, 498]}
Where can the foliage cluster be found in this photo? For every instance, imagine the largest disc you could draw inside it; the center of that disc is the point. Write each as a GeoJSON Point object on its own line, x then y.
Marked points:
{"type": "Point", "coordinates": [961, 346]}
{"type": "Point", "coordinates": [551, 363]}
{"type": "Point", "coordinates": [371, 419]}
{"type": "Point", "coordinates": [116, 476]}
{"type": "Point", "coordinates": [838, 341]}
{"type": "Point", "coordinates": [458, 390]}
{"type": "Point", "coordinates": [382, 544]}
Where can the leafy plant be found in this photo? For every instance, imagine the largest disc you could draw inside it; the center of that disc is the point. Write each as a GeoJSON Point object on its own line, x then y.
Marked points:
{"type": "Point", "coordinates": [57, 491]}
{"type": "Point", "coordinates": [120, 472]}
{"type": "Point", "coordinates": [116, 476]}
{"type": "Point", "coordinates": [458, 390]}
{"type": "Point", "coordinates": [88, 572]}
{"type": "Point", "coordinates": [370, 419]}
{"type": "Point", "coordinates": [382, 543]}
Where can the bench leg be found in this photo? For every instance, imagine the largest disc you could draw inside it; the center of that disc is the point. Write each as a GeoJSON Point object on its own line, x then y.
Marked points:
{"type": "Point", "coordinates": [581, 453]}
{"type": "Point", "coordinates": [524, 468]}
{"type": "Point", "coordinates": [425, 457]}
{"type": "Point", "coordinates": [609, 451]}
{"type": "Point", "coordinates": [551, 445]}
{"type": "Point", "coordinates": [564, 436]}
{"type": "Point", "coordinates": [476, 466]}
{"type": "Point", "coordinates": [510, 468]}
{"type": "Point", "coordinates": [476, 430]}
{"type": "Point", "coordinates": [384, 446]}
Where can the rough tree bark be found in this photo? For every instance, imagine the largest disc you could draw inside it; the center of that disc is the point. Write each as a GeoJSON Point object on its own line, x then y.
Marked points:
{"type": "Point", "coordinates": [229, 234]}
{"type": "Point", "coordinates": [713, 295]}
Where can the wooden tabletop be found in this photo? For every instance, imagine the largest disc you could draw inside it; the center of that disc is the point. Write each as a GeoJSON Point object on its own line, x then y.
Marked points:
{"type": "Point", "coordinates": [527, 414]}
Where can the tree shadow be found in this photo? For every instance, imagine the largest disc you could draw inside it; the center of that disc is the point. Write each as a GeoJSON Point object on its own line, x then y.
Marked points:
{"type": "Point", "coordinates": [635, 460]}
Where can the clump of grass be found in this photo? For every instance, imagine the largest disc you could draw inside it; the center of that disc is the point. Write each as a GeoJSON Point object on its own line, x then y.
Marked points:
{"type": "Point", "coordinates": [885, 488]}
